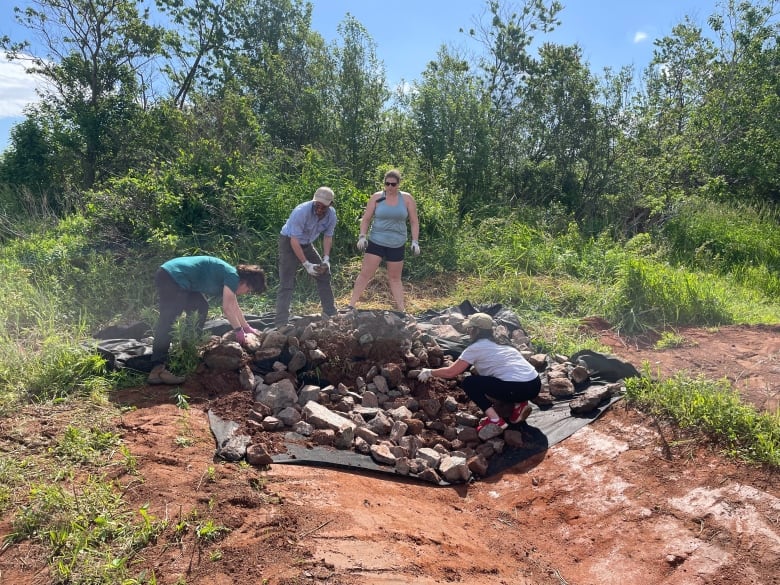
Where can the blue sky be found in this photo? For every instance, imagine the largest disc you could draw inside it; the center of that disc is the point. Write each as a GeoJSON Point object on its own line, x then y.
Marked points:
{"type": "Point", "coordinates": [408, 34]}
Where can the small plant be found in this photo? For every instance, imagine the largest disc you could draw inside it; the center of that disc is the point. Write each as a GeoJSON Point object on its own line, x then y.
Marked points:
{"type": "Point", "coordinates": [130, 461]}
{"type": "Point", "coordinates": [181, 399]}
{"type": "Point", "coordinates": [85, 445]}
{"type": "Point", "coordinates": [181, 441]}
{"type": "Point", "coordinates": [187, 338]}
{"type": "Point", "coordinates": [215, 555]}
{"type": "Point", "coordinates": [670, 340]}
{"type": "Point", "coordinates": [209, 531]}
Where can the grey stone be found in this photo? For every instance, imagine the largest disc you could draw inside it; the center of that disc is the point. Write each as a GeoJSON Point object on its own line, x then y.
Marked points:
{"type": "Point", "coordinates": [278, 395]}
{"type": "Point", "coordinates": [380, 452]}
{"type": "Point", "coordinates": [454, 469]}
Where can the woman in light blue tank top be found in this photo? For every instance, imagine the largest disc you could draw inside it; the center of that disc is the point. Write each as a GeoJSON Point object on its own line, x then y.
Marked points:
{"type": "Point", "coordinates": [390, 210]}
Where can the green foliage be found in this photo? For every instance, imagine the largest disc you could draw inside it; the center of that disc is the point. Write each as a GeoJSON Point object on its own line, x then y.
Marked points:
{"type": "Point", "coordinates": [79, 445]}
{"type": "Point", "coordinates": [670, 339]}
{"type": "Point", "coordinates": [187, 339]}
{"type": "Point", "coordinates": [724, 236]}
{"type": "Point", "coordinates": [88, 534]}
{"type": "Point", "coordinates": [713, 408]}
{"type": "Point", "coordinates": [209, 531]}
{"type": "Point", "coordinates": [653, 294]}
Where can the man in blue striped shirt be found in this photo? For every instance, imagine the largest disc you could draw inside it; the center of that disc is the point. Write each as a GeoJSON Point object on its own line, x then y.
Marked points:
{"type": "Point", "coordinates": [305, 224]}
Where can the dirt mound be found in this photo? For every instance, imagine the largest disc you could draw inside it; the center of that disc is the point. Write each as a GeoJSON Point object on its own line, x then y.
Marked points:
{"type": "Point", "coordinates": [627, 500]}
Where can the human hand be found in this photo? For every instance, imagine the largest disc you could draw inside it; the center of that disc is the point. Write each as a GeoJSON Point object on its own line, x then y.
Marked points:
{"type": "Point", "coordinates": [310, 268]}
{"type": "Point", "coordinates": [326, 262]}
{"type": "Point", "coordinates": [362, 243]}
{"type": "Point", "coordinates": [249, 329]}
{"type": "Point", "coordinates": [415, 247]}
{"type": "Point", "coordinates": [425, 375]}
{"type": "Point", "coordinates": [240, 336]}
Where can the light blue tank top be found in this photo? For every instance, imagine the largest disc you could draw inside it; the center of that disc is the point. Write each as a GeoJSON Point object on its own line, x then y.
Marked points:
{"type": "Point", "coordinates": [389, 225]}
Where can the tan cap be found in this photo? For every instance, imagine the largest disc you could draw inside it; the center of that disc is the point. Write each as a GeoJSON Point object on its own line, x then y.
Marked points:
{"type": "Point", "coordinates": [479, 320]}
{"type": "Point", "coordinates": [323, 195]}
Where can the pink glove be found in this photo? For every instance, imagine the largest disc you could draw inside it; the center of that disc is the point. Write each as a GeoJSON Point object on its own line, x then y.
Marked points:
{"type": "Point", "coordinates": [249, 329]}
{"type": "Point", "coordinates": [240, 336]}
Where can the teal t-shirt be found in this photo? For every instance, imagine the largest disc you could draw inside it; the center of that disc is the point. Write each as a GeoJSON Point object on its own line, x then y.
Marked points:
{"type": "Point", "coordinates": [204, 274]}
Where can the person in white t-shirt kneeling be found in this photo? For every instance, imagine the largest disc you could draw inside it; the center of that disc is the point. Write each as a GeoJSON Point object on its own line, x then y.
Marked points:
{"type": "Point", "coordinates": [503, 374]}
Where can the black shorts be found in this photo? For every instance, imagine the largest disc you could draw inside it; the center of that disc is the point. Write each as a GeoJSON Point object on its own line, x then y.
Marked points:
{"type": "Point", "coordinates": [389, 254]}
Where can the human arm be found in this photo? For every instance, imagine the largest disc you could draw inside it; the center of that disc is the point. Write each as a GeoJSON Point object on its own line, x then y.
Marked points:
{"type": "Point", "coordinates": [365, 221]}
{"type": "Point", "coordinates": [327, 244]}
{"type": "Point", "coordinates": [298, 251]}
{"type": "Point", "coordinates": [414, 222]}
{"type": "Point", "coordinates": [231, 310]}
{"type": "Point", "coordinates": [455, 369]}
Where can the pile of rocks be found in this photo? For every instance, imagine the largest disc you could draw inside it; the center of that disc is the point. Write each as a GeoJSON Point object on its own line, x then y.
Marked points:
{"type": "Point", "coordinates": [350, 382]}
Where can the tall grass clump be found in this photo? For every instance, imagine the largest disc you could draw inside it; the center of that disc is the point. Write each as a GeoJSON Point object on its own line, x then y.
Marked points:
{"type": "Point", "coordinates": [652, 294]}
{"type": "Point", "coordinates": [713, 408]}
{"type": "Point", "coordinates": [723, 236]}
{"type": "Point", "coordinates": [41, 357]}
{"type": "Point", "coordinates": [85, 279]}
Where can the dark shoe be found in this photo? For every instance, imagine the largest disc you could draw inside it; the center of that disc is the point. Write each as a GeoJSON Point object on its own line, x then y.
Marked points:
{"type": "Point", "coordinates": [159, 375]}
{"type": "Point", "coordinates": [520, 412]}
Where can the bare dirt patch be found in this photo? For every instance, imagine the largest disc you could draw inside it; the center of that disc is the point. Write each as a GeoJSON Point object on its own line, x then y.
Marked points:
{"type": "Point", "coordinates": [626, 500]}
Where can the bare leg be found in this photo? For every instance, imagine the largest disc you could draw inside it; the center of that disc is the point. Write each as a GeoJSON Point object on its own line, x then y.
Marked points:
{"type": "Point", "coordinates": [367, 271]}
{"type": "Point", "coordinates": [394, 270]}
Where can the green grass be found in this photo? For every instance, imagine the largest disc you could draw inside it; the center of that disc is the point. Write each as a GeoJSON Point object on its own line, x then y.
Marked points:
{"type": "Point", "coordinates": [713, 409]}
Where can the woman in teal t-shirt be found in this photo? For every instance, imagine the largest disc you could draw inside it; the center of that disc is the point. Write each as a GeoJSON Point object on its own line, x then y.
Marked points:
{"type": "Point", "coordinates": [181, 285]}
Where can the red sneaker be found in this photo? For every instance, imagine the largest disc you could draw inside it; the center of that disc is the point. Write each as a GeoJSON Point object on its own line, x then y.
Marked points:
{"type": "Point", "coordinates": [486, 421]}
{"type": "Point", "coordinates": [520, 412]}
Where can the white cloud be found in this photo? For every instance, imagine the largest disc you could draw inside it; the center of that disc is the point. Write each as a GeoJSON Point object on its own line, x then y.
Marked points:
{"type": "Point", "coordinates": [17, 88]}
{"type": "Point", "coordinates": [640, 36]}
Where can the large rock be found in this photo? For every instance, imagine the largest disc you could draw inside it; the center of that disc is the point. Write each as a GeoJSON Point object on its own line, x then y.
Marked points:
{"type": "Point", "coordinates": [278, 395]}
{"type": "Point", "coordinates": [224, 357]}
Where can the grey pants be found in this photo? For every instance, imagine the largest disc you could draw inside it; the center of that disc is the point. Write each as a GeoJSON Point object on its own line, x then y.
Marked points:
{"type": "Point", "coordinates": [288, 266]}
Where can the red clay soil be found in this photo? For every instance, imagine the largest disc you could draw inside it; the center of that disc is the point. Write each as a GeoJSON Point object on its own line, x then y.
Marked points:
{"type": "Point", "coordinates": [626, 500]}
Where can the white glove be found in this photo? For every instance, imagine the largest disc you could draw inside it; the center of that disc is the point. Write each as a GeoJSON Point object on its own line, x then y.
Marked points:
{"type": "Point", "coordinates": [326, 262]}
{"type": "Point", "coordinates": [415, 248]}
{"type": "Point", "coordinates": [310, 268]}
{"type": "Point", "coordinates": [362, 243]}
{"type": "Point", "coordinates": [424, 375]}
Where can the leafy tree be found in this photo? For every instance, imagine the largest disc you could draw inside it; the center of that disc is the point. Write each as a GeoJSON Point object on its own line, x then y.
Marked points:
{"type": "Point", "coordinates": [359, 96]}
{"type": "Point", "coordinates": [200, 40]}
{"type": "Point", "coordinates": [283, 65]}
{"type": "Point", "coordinates": [452, 127]}
{"type": "Point", "coordinates": [92, 50]}
{"type": "Point", "coordinates": [736, 129]}
{"type": "Point", "coordinates": [26, 167]}
{"type": "Point", "coordinates": [506, 68]}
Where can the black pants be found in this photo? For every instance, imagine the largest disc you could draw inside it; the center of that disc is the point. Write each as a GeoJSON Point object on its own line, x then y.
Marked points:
{"type": "Point", "coordinates": [484, 390]}
{"type": "Point", "coordinates": [173, 301]}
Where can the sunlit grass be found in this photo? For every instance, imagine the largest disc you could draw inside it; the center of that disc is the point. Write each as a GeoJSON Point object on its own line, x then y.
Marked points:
{"type": "Point", "coordinates": [714, 409]}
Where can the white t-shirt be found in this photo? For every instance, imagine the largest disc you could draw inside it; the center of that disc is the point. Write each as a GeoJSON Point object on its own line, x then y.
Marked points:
{"type": "Point", "coordinates": [500, 361]}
